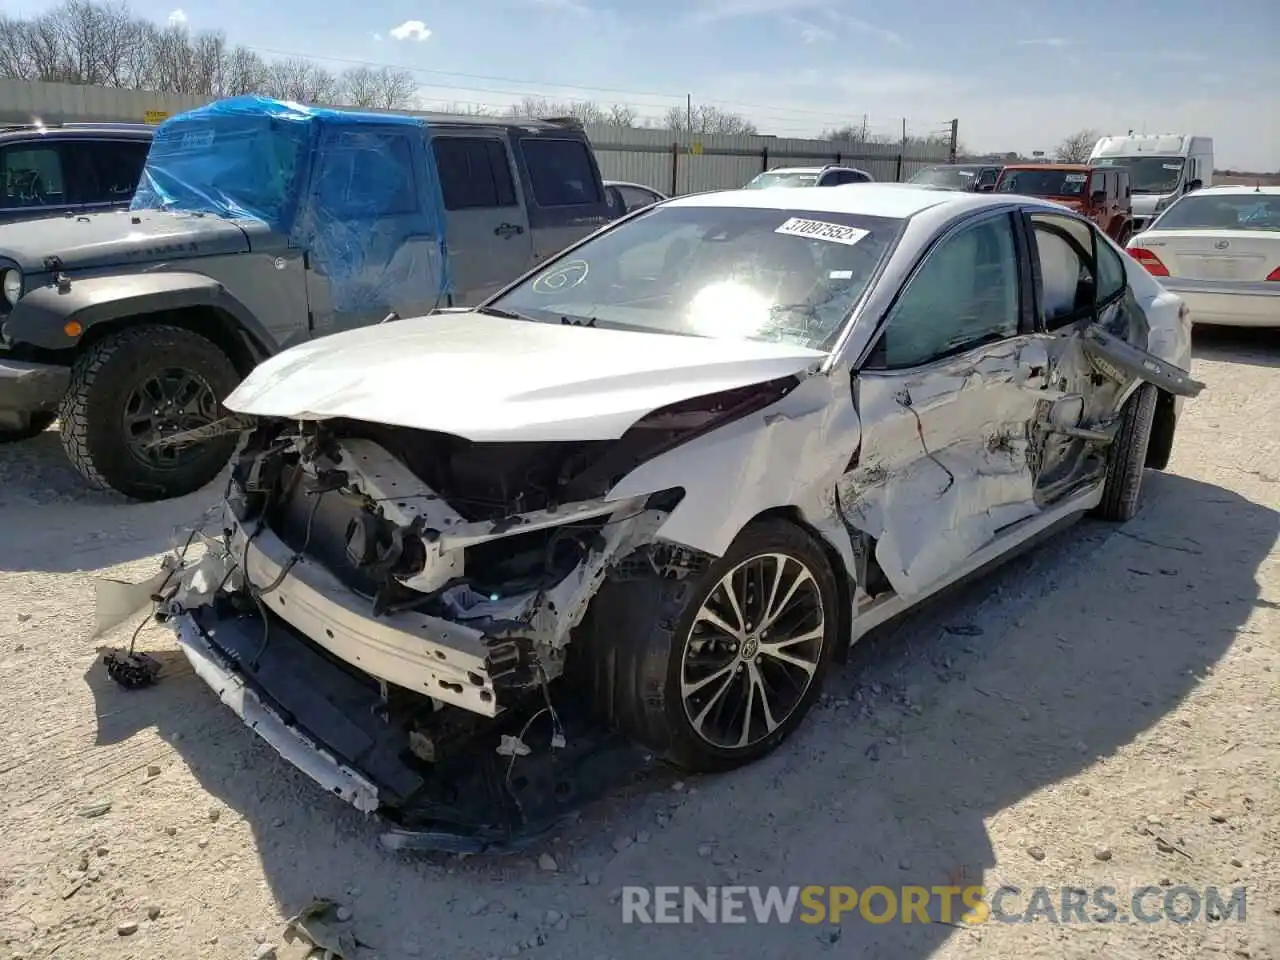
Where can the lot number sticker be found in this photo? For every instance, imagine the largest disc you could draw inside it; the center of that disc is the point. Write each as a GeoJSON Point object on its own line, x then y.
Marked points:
{"type": "Point", "coordinates": [821, 230]}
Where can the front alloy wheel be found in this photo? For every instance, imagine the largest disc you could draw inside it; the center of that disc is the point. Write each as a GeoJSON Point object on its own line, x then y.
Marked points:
{"type": "Point", "coordinates": [752, 651]}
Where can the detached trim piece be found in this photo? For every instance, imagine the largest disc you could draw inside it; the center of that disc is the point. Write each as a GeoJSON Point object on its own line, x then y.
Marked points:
{"type": "Point", "coordinates": [440, 659]}
{"type": "Point", "coordinates": [292, 745]}
{"type": "Point", "coordinates": [1138, 363]}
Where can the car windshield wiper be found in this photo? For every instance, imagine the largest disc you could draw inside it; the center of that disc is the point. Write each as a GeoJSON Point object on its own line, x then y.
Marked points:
{"type": "Point", "coordinates": [505, 314]}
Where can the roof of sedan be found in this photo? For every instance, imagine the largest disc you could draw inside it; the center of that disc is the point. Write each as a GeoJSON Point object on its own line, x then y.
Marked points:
{"type": "Point", "coordinates": [898, 200]}
{"type": "Point", "coordinates": [1238, 188]}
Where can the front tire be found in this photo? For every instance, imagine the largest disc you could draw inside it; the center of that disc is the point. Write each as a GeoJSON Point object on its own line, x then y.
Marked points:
{"type": "Point", "coordinates": [716, 670]}
{"type": "Point", "coordinates": [137, 386]}
{"type": "Point", "coordinates": [1127, 458]}
{"type": "Point", "coordinates": [37, 424]}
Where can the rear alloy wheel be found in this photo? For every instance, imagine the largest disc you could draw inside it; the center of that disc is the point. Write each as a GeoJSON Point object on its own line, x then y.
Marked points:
{"type": "Point", "coordinates": [717, 669]}
{"type": "Point", "coordinates": [1127, 457]}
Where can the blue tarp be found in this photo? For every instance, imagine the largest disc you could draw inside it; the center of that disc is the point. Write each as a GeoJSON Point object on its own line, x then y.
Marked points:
{"type": "Point", "coordinates": [359, 191]}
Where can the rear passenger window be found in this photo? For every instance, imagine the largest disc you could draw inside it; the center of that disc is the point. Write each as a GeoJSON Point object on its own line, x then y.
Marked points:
{"type": "Point", "coordinates": [1111, 276]}
{"type": "Point", "coordinates": [561, 172]}
{"type": "Point", "coordinates": [474, 173]}
{"type": "Point", "coordinates": [1067, 284]}
{"type": "Point", "coordinates": [31, 176]}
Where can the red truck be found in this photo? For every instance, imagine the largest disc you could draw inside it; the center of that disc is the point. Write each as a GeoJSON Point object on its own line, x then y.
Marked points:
{"type": "Point", "coordinates": [1100, 193]}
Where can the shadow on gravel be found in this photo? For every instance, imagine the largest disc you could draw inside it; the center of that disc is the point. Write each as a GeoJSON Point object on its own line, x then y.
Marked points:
{"type": "Point", "coordinates": [54, 522]}
{"type": "Point", "coordinates": [1255, 346]}
{"type": "Point", "coordinates": [936, 725]}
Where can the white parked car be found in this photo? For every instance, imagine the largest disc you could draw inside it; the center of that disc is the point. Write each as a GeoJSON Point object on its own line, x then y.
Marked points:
{"type": "Point", "coordinates": [1219, 250]}
{"type": "Point", "coordinates": [674, 473]}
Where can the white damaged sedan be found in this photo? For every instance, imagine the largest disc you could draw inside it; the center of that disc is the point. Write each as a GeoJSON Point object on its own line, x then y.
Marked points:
{"type": "Point", "coordinates": [672, 474]}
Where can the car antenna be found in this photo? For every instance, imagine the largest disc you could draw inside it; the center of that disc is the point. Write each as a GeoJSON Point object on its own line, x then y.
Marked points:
{"type": "Point", "coordinates": [389, 317]}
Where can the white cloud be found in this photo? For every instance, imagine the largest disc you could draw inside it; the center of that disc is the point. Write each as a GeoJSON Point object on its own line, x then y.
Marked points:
{"type": "Point", "coordinates": [178, 17]}
{"type": "Point", "coordinates": [410, 30]}
{"type": "Point", "coordinates": [1058, 42]}
{"type": "Point", "coordinates": [377, 37]}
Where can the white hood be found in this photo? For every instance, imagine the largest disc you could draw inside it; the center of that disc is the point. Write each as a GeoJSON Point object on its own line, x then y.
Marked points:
{"type": "Point", "coordinates": [487, 378]}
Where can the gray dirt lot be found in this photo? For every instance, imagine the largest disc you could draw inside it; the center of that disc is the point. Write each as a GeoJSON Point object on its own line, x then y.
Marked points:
{"type": "Point", "coordinates": [1115, 685]}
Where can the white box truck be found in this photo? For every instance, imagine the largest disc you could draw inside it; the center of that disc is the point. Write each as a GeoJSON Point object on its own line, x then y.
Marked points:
{"type": "Point", "coordinates": [1162, 167]}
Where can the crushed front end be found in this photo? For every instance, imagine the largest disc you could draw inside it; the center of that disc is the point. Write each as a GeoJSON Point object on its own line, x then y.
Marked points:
{"type": "Point", "coordinates": [389, 608]}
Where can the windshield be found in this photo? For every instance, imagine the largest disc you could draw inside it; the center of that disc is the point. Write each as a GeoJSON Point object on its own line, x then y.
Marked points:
{"type": "Point", "coordinates": [956, 178]}
{"type": "Point", "coordinates": [1240, 211]}
{"type": "Point", "coordinates": [1148, 174]}
{"type": "Point", "coordinates": [782, 180]}
{"type": "Point", "coordinates": [1043, 183]}
{"type": "Point", "coordinates": [727, 272]}
{"type": "Point", "coordinates": [232, 166]}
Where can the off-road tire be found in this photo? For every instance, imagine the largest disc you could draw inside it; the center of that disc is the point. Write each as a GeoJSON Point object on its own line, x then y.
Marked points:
{"type": "Point", "coordinates": [631, 644]}
{"type": "Point", "coordinates": [1126, 234]}
{"type": "Point", "coordinates": [40, 422]}
{"type": "Point", "coordinates": [1127, 457]}
{"type": "Point", "coordinates": [101, 381]}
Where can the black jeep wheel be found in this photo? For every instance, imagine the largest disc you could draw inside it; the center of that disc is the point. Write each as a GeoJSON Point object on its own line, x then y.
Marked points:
{"type": "Point", "coordinates": [716, 670]}
{"type": "Point", "coordinates": [38, 424]}
{"type": "Point", "coordinates": [134, 388]}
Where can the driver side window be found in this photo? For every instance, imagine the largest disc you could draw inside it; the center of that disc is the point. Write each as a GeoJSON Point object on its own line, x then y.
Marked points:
{"type": "Point", "coordinates": [965, 293]}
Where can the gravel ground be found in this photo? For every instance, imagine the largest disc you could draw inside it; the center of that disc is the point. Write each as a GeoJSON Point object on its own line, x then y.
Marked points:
{"type": "Point", "coordinates": [1100, 712]}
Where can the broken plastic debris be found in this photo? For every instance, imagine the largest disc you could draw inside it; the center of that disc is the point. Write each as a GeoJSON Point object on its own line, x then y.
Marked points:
{"type": "Point", "coordinates": [317, 924]}
{"type": "Point", "coordinates": [116, 601]}
{"type": "Point", "coordinates": [510, 746]}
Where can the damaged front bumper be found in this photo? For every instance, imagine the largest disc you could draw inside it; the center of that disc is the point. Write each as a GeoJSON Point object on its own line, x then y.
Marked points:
{"type": "Point", "coordinates": [421, 709]}
{"type": "Point", "coordinates": [220, 672]}
{"type": "Point", "coordinates": [441, 659]}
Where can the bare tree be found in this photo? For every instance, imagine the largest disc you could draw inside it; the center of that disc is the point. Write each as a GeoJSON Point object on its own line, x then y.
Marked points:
{"type": "Point", "coordinates": [243, 71]}
{"type": "Point", "coordinates": [584, 111]}
{"type": "Point", "coordinates": [707, 119]}
{"type": "Point", "coordinates": [301, 80]}
{"type": "Point", "coordinates": [387, 88]}
{"type": "Point", "coordinates": [1077, 147]}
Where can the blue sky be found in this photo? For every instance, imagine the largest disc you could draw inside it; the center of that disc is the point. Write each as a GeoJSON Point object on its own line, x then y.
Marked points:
{"type": "Point", "coordinates": [1019, 74]}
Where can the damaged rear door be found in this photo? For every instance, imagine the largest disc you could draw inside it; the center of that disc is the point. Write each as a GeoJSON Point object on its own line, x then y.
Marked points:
{"type": "Point", "coordinates": [1096, 339]}
{"type": "Point", "coordinates": [948, 397]}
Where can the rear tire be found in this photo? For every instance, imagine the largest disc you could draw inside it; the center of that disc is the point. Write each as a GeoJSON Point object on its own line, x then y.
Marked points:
{"type": "Point", "coordinates": [1127, 458]}
{"type": "Point", "coordinates": [38, 424]}
{"type": "Point", "coordinates": [665, 676]}
{"type": "Point", "coordinates": [116, 387]}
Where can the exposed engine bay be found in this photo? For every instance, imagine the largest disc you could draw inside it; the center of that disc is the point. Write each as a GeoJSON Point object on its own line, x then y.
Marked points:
{"type": "Point", "coordinates": [385, 605]}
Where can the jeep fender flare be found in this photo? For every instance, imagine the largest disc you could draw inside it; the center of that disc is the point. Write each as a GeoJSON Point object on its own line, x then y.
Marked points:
{"type": "Point", "coordinates": [44, 317]}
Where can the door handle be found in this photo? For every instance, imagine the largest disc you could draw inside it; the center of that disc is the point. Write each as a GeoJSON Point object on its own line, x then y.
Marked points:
{"type": "Point", "coordinates": [508, 230]}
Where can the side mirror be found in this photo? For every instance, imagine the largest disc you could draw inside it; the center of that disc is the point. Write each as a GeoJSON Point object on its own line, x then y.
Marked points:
{"type": "Point", "coordinates": [1194, 185]}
